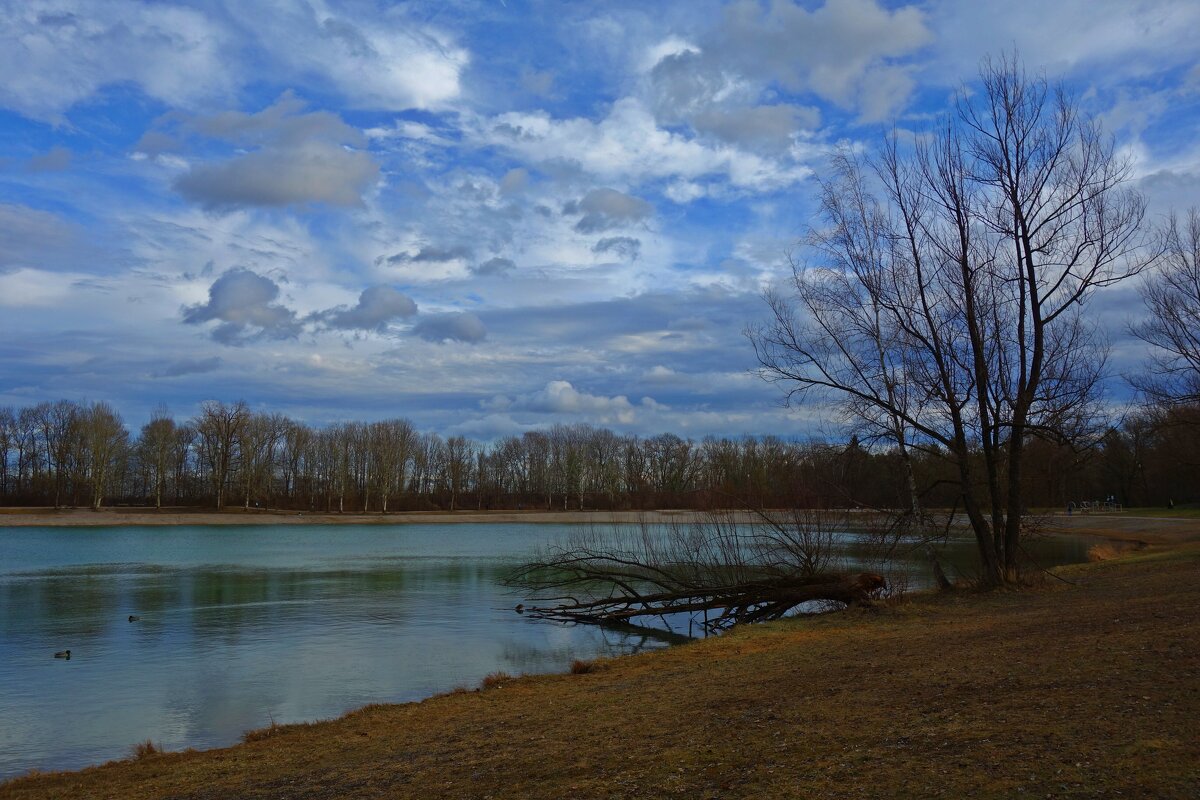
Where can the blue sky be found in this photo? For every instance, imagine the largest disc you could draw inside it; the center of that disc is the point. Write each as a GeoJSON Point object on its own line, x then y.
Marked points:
{"type": "Point", "coordinates": [488, 216]}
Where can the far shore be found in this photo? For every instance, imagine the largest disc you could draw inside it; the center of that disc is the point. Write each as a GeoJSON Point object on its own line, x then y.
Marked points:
{"type": "Point", "coordinates": [1125, 527]}
{"type": "Point", "coordinates": [110, 517]}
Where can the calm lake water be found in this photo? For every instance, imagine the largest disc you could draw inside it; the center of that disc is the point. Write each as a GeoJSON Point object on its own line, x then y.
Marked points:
{"type": "Point", "coordinates": [242, 626]}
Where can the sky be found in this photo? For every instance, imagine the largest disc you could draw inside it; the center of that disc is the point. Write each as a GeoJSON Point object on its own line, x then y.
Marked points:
{"type": "Point", "coordinates": [487, 217]}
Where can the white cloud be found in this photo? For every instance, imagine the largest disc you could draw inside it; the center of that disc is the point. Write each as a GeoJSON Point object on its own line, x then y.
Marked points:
{"type": "Point", "coordinates": [55, 53]}
{"type": "Point", "coordinates": [560, 397]}
{"type": "Point", "coordinates": [385, 60]}
{"type": "Point", "coordinates": [628, 146]}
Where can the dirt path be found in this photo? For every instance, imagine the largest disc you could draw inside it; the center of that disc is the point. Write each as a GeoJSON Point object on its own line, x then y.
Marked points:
{"type": "Point", "coordinates": [1081, 689]}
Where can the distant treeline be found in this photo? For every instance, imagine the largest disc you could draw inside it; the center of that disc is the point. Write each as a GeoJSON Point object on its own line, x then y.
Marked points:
{"type": "Point", "coordinates": [67, 454]}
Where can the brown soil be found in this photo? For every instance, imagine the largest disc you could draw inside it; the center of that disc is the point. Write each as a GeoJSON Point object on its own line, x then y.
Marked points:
{"type": "Point", "coordinates": [1084, 688]}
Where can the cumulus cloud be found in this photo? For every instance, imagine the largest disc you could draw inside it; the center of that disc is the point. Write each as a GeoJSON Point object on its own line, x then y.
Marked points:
{"type": "Point", "coordinates": [187, 366]}
{"type": "Point", "coordinates": [243, 303]}
{"type": "Point", "coordinates": [377, 306]}
{"type": "Point", "coordinates": [624, 247]}
{"type": "Point", "coordinates": [561, 397]}
{"type": "Point", "coordinates": [494, 266]}
{"type": "Point", "coordinates": [604, 209]}
{"type": "Point", "coordinates": [302, 157]}
{"type": "Point", "coordinates": [456, 326]}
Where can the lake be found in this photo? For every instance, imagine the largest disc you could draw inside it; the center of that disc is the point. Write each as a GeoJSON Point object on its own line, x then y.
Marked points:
{"type": "Point", "coordinates": [242, 626]}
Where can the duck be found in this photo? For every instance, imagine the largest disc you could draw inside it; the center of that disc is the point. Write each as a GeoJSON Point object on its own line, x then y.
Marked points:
{"type": "Point", "coordinates": [63, 654]}
{"type": "Point", "coordinates": [520, 609]}
{"type": "Point", "coordinates": [134, 618]}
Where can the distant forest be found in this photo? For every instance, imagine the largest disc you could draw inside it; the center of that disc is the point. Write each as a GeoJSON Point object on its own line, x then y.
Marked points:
{"type": "Point", "coordinates": [68, 454]}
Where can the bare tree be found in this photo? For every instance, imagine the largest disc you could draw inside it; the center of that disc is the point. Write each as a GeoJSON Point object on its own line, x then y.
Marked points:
{"type": "Point", "coordinates": [392, 445]}
{"type": "Point", "coordinates": [219, 428]}
{"type": "Point", "coordinates": [105, 443]}
{"type": "Point", "coordinates": [1172, 295]}
{"type": "Point", "coordinates": [458, 457]}
{"type": "Point", "coordinates": [8, 440]}
{"type": "Point", "coordinates": [56, 422]}
{"type": "Point", "coordinates": [948, 318]}
{"type": "Point", "coordinates": [156, 446]}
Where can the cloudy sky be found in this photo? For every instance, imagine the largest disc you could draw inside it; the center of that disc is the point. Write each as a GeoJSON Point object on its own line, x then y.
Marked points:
{"type": "Point", "coordinates": [484, 216]}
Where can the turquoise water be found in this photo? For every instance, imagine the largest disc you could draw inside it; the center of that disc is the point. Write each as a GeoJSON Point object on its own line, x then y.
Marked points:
{"type": "Point", "coordinates": [242, 626]}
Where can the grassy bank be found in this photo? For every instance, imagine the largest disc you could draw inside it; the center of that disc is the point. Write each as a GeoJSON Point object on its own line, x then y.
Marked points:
{"type": "Point", "coordinates": [1088, 688]}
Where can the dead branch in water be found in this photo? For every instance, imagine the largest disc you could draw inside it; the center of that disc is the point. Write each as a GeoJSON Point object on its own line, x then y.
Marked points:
{"type": "Point", "coordinates": [730, 573]}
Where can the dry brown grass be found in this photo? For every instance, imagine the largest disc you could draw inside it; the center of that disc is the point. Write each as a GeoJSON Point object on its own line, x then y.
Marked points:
{"type": "Point", "coordinates": [145, 750]}
{"type": "Point", "coordinates": [495, 680]}
{"type": "Point", "coordinates": [1084, 689]}
{"type": "Point", "coordinates": [258, 734]}
{"type": "Point", "coordinates": [582, 667]}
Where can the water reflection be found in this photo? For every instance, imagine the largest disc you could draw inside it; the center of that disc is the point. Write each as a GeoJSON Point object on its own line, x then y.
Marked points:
{"type": "Point", "coordinates": [238, 627]}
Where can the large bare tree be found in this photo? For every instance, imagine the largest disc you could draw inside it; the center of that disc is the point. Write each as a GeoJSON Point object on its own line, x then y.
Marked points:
{"type": "Point", "coordinates": [943, 308]}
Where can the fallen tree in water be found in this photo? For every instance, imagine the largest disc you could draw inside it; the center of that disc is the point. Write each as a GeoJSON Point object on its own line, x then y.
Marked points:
{"type": "Point", "coordinates": [721, 572]}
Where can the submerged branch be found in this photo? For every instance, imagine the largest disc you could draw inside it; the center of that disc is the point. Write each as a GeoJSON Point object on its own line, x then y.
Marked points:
{"type": "Point", "coordinates": [729, 572]}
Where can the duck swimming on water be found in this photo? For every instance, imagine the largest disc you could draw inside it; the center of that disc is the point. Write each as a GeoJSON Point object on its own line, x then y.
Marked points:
{"type": "Point", "coordinates": [63, 654]}
{"type": "Point", "coordinates": [134, 618]}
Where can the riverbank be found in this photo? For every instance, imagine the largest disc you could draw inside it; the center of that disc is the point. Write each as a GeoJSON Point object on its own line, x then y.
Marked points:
{"type": "Point", "coordinates": [1084, 686]}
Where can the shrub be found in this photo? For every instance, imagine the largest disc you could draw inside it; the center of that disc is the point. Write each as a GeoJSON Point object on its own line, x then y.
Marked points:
{"type": "Point", "coordinates": [495, 680]}
{"type": "Point", "coordinates": [145, 750]}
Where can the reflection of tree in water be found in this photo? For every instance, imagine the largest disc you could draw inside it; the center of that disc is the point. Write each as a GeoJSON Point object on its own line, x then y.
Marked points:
{"type": "Point", "coordinates": [584, 642]}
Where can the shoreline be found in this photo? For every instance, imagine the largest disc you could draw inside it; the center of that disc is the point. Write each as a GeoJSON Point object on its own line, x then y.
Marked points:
{"type": "Point", "coordinates": [895, 701]}
{"type": "Point", "coordinates": [1113, 527]}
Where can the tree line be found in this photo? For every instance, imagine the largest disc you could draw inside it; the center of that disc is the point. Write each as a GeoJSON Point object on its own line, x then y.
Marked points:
{"type": "Point", "coordinates": [66, 453]}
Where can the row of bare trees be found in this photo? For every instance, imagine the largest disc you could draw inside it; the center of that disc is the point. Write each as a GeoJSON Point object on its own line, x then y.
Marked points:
{"type": "Point", "coordinates": [64, 453]}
